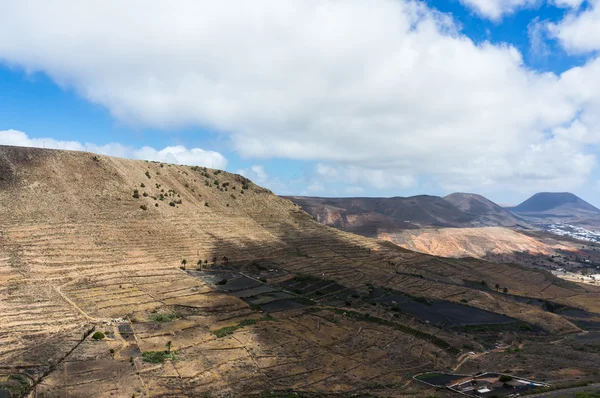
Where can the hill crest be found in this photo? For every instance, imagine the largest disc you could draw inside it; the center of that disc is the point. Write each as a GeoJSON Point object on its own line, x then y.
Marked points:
{"type": "Point", "coordinates": [549, 201]}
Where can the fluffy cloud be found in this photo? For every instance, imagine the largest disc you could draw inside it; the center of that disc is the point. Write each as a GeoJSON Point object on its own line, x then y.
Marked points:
{"type": "Point", "coordinates": [358, 176]}
{"type": "Point", "coordinates": [580, 32]}
{"type": "Point", "coordinates": [171, 154]}
{"type": "Point", "coordinates": [388, 89]}
{"type": "Point", "coordinates": [495, 9]}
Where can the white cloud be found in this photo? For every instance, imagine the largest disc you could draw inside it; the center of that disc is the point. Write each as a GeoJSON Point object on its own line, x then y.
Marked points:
{"type": "Point", "coordinates": [537, 32]}
{"type": "Point", "coordinates": [496, 9]}
{"type": "Point", "coordinates": [259, 176]}
{"type": "Point", "coordinates": [579, 32]}
{"type": "Point", "coordinates": [171, 154]}
{"type": "Point", "coordinates": [567, 3]}
{"type": "Point", "coordinates": [353, 175]}
{"type": "Point", "coordinates": [387, 88]}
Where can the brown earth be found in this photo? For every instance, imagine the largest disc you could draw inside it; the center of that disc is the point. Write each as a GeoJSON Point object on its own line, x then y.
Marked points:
{"type": "Point", "coordinates": [78, 249]}
{"type": "Point", "coordinates": [475, 242]}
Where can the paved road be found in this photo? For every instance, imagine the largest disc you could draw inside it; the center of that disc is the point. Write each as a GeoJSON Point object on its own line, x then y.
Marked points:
{"type": "Point", "coordinates": [567, 392]}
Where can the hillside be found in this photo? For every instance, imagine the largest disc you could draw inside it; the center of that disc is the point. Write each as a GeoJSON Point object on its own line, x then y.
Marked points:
{"type": "Point", "coordinates": [487, 212]}
{"type": "Point", "coordinates": [546, 208]}
{"type": "Point", "coordinates": [474, 242]}
{"type": "Point", "coordinates": [204, 283]}
{"type": "Point", "coordinates": [555, 202]}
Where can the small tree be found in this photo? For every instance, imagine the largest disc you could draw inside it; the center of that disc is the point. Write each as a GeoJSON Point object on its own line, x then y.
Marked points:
{"type": "Point", "coordinates": [169, 347]}
{"type": "Point", "coordinates": [505, 290]}
{"type": "Point", "coordinates": [214, 260]}
{"type": "Point", "coordinates": [497, 286]}
{"type": "Point", "coordinates": [199, 264]}
{"type": "Point", "coordinates": [183, 263]}
{"type": "Point", "coordinates": [225, 260]}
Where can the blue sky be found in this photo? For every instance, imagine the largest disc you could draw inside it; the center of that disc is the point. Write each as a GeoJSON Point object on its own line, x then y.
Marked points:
{"type": "Point", "coordinates": [388, 98]}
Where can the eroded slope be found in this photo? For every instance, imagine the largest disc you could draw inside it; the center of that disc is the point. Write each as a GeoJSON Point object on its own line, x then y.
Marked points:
{"type": "Point", "coordinates": [86, 239]}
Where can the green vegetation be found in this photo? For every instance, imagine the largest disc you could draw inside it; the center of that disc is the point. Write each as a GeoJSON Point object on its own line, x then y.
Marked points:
{"type": "Point", "coordinates": [229, 330]}
{"type": "Point", "coordinates": [587, 395]}
{"type": "Point", "coordinates": [143, 207]}
{"type": "Point", "coordinates": [136, 194]}
{"type": "Point", "coordinates": [98, 336]}
{"type": "Point", "coordinates": [159, 356]}
{"type": "Point", "coordinates": [20, 389]}
{"type": "Point", "coordinates": [147, 174]}
{"type": "Point", "coordinates": [505, 378]}
{"type": "Point", "coordinates": [164, 317]}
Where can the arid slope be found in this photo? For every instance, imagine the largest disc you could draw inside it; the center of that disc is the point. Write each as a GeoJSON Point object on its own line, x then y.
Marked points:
{"type": "Point", "coordinates": [473, 242]}
{"type": "Point", "coordinates": [85, 239]}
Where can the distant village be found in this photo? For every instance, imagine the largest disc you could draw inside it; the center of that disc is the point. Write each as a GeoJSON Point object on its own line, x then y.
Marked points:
{"type": "Point", "coordinates": [574, 232]}
{"type": "Point", "coordinates": [589, 271]}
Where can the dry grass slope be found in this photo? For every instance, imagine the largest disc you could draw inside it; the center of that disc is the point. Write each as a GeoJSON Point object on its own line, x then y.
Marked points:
{"type": "Point", "coordinates": [78, 247]}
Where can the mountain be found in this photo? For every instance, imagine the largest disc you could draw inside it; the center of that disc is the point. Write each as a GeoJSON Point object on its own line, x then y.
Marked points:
{"type": "Point", "coordinates": [137, 278]}
{"type": "Point", "coordinates": [555, 203]}
{"type": "Point", "coordinates": [373, 216]}
{"type": "Point", "coordinates": [558, 207]}
{"type": "Point", "coordinates": [487, 212]}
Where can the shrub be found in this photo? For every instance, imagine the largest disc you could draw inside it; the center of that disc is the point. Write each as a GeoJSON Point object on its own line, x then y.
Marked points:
{"type": "Point", "coordinates": [158, 356]}
{"type": "Point", "coordinates": [206, 204]}
{"type": "Point", "coordinates": [143, 207]}
{"type": "Point", "coordinates": [142, 185]}
{"type": "Point", "coordinates": [147, 174]}
{"type": "Point", "coordinates": [98, 336]}
{"type": "Point", "coordinates": [505, 378]}
{"type": "Point", "coordinates": [156, 205]}
{"type": "Point", "coordinates": [172, 204]}
{"type": "Point", "coordinates": [163, 318]}
{"type": "Point", "coordinates": [136, 194]}
{"type": "Point", "coordinates": [145, 195]}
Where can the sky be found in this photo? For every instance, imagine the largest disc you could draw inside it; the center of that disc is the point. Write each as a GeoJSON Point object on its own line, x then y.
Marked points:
{"type": "Point", "coordinates": [317, 97]}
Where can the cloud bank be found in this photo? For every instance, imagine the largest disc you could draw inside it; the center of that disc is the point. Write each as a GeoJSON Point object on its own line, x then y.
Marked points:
{"type": "Point", "coordinates": [385, 90]}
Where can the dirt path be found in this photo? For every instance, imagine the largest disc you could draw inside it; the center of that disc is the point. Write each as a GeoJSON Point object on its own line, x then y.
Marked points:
{"type": "Point", "coordinates": [73, 304]}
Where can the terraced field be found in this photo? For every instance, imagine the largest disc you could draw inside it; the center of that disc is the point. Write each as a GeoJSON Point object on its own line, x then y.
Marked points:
{"type": "Point", "coordinates": [114, 245]}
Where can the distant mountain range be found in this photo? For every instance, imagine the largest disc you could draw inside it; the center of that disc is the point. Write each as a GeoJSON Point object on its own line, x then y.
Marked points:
{"type": "Point", "coordinates": [374, 216]}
